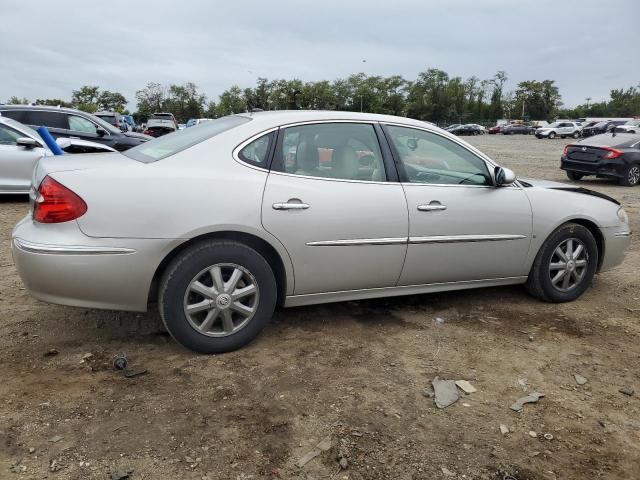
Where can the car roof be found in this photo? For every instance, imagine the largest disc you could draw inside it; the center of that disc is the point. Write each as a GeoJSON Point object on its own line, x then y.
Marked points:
{"type": "Point", "coordinates": [618, 140]}
{"type": "Point", "coordinates": [283, 117]}
{"type": "Point", "coordinates": [39, 107]}
{"type": "Point", "coordinates": [107, 113]}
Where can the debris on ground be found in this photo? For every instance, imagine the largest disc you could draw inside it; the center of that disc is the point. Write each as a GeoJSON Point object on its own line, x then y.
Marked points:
{"type": "Point", "coordinates": [465, 386]}
{"type": "Point", "coordinates": [55, 439]}
{"type": "Point", "coordinates": [580, 380]}
{"type": "Point", "coordinates": [627, 391]}
{"type": "Point", "coordinates": [343, 462]}
{"type": "Point", "coordinates": [548, 436]}
{"type": "Point", "coordinates": [439, 321]}
{"type": "Point", "coordinates": [533, 434]}
{"type": "Point", "coordinates": [134, 372]}
{"type": "Point", "coordinates": [447, 472]}
{"type": "Point", "coordinates": [121, 474]}
{"type": "Point", "coordinates": [322, 446]}
{"type": "Point", "coordinates": [445, 391]}
{"type": "Point", "coordinates": [52, 352]}
{"type": "Point", "coordinates": [504, 429]}
{"type": "Point", "coordinates": [531, 398]}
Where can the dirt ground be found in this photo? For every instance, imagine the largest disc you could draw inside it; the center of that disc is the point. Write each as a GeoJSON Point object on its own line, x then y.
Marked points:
{"type": "Point", "coordinates": [358, 373]}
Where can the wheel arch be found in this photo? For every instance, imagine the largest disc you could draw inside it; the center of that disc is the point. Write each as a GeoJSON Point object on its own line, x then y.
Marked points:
{"type": "Point", "coordinates": [589, 225]}
{"type": "Point", "coordinates": [276, 257]}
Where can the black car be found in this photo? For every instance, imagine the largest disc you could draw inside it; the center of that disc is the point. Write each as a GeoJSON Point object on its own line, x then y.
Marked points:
{"type": "Point", "coordinates": [466, 130]}
{"type": "Point", "coordinates": [607, 156]}
{"type": "Point", "coordinates": [71, 123]}
{"type": "Point", "coordinates": [601, 127]}
{"type": "Point", "coordinates": [517, 129]}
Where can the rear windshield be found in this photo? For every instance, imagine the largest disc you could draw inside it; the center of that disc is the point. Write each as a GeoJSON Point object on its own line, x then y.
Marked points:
{"type": "Point", "coordinates": [173, 143]}
{"type": "Point", "coordinates": [108, 118]}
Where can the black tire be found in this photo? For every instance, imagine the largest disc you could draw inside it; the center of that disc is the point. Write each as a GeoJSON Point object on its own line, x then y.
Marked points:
{"type": "Point", "coordinates": [631, 176]}
{"type": "Point", "coordinates": [576, 134]}
{"type": "Point", "coordinates": [574, 175]}
{"type": "Point", "coordinates": [183, 269]}
{"type": "Point", "coordinates": [552, 135]}
{"type": "Point", "coordinates": [539, 284]}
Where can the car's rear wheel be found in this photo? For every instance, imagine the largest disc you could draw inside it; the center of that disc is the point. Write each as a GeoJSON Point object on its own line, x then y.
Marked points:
{"type": "Point", "coordinates": [576, 134]}
{"type": "Point", "coordinates": [217, 296]}
{"type": "Point", "coordinates": [565, 265]}
{"type": "Point", "coordinates": [552, 134]}
{"type": "Point", "coordinates": [574, 175]}
{"type": "Point", "coordinates": [631, 177]}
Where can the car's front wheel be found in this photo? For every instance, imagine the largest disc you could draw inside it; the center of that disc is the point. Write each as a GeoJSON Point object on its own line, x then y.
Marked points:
{"type": "Point", "coordinates": [576, 134]}
{"type": "Point", "coordinates": [552, 134]}
{"type": "Point", "coordinates": [631, 176]}
{"type": "Point", "coordinates": [217, 296]}
{"type": "Point", "coordinates": [565, 264]}
{"type": "Point", "coordinates": [574, 175]}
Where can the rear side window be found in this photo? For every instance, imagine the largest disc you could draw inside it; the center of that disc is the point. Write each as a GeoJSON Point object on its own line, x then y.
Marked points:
{"type": "Point", "coordinates": [173, 143]}
{"type": "Point", "coordinates": [257, 152]}
{"type": "Point", "coordinates": [46, 119]}
{"type": "Point", "coordinates": [81, 124]}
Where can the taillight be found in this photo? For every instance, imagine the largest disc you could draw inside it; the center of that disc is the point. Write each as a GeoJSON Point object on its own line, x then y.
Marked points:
{"type": "Point", "coordinates": [566, 150]}
{"type": "Point", "coordinates": [147, 131]}
{"type": "Point", "coordinates": [56, 203]}
{"type": "Point", "coordinates": [611, 153]}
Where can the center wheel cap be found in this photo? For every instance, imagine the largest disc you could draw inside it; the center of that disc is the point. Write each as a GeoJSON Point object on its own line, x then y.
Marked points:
{"type": "Point", "coordinates": [223, 301]}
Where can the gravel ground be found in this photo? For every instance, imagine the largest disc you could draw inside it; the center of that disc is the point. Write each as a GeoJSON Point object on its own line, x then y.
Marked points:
{"type": "Point", "coordinates": [356, 374]}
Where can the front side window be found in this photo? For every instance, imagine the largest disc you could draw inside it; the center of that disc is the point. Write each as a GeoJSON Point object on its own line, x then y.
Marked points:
{"type": "Point", "coordinates": [257, 152]}
{"type": "Point", "coordinates": [8, 136]}
{"type": "Point", "coordinates": [79, 124]}
{"type": "Point", "coordinates": [431, 158]}
{"type": "Point", "coordinates": [347, 151]}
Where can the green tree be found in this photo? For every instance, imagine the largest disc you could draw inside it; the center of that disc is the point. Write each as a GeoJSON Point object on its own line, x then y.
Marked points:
{"type": "Point", "coordinates": [56, 102]}
{"type": "Point", "coordinates": [18, 101]}
{"type": "Point", "coordinates": [86, 98]}
{"type": "Point", "coordinates": [150, 99]}
{"type": "Point", "coordinates": [112, 101]}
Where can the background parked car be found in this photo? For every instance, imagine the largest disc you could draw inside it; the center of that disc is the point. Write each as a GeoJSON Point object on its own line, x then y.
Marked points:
{"type": "Point", "coordinates": [452, 126]}
{"type": "Point", "coordinates": [631, 126]}
{"type": "Point", "coordinates": [197, 121]}
{"type": "Point", "coordinates": [71, 123]}
{"type": "Point", "coordinates": [601, 127]}
{"type": "Point", "coordinates": [113, 118]}
{"type": "Point", "coordinates": [609, 155]}
{"type": "Point", "coordinates": [559, 129]}
{"type": "Point", "coordinates": [21, 147]}
{"type": "Point", "coordinates": [466, 130]}
{"type": "Point", "coordinates": [157, 127]}
{"type": "Point", "coordinates": [495, 129]}
{"type": "Point", "coordinates": [482, 129]}
{"type": "Point", "coordinates": [517, 129]}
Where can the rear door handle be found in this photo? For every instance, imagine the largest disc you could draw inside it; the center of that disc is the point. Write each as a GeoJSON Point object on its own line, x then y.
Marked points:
{"type": "Point", "coordinates": [431, 207]}
{"type": "Point", "coordinates": [290, 206]}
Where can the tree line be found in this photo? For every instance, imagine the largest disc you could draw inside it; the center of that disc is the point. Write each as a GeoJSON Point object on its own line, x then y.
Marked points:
{"type": "Point", "coordinates": [433, 96]}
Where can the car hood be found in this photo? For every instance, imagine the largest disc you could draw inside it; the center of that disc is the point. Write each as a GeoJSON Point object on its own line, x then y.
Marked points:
{"type": "Point", "coordinates": [137, 135]}
{"type": "Point", "coordinates": [535, 183]}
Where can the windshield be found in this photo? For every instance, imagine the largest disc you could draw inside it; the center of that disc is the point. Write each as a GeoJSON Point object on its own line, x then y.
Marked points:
{"type": "Point", "coordinates": [554, 125]}
{"type": "Point", "coordinates": [633, 123]}
{"type": "Point", "coordinates": [600, 124]}
{"type": "Point", "coordinates": [173, 143]}
{"type": "Point", "coordinates": [108, 118]}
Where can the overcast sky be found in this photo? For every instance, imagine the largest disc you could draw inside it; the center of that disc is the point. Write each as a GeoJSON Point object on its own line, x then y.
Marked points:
{"type": "Point", "coordinates": [49, 49]}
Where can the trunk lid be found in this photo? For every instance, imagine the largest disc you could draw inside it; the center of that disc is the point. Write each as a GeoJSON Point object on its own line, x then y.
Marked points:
{"type": "Point", "coordinates": [62, 163]}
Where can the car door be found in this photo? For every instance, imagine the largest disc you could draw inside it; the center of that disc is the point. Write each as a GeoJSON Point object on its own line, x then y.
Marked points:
{"type": "Point", "coordinates": [461, 227]}
{"type": "Point", "coordinates": [16, 162]}
{"type": "Point", "coordinates": [330, 199]}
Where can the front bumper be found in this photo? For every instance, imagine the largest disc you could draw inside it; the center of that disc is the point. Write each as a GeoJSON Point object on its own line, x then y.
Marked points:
{"type": "Point", "coordinates": [76, 270]}
{"type": "Point", "coordinates": [603, 168]}
{"type": "Point", "coordinates": [616, 241]}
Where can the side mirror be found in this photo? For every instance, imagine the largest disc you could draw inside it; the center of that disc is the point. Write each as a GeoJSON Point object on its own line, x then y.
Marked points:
{"type": "Point", "coordinates": [504, 176]}
{"type": "Point", "coordinates": [101, 132]}
{"type": "Point", "coordinates": [27, 143]}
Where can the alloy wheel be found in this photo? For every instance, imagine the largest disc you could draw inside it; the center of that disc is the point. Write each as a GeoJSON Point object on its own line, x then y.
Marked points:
{"type": "Point", "coordinates": [568, 264]}
{"type": "Point", "coordinates": [221, 299]}
{"type": "Point", "coordinates": [633, 177]}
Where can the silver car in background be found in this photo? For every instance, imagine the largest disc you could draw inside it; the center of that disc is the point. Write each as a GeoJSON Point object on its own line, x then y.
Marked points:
{"type": "Point", "coordinates": [221, 222]}
{"type": "Point", "coordinates": [20, 149]}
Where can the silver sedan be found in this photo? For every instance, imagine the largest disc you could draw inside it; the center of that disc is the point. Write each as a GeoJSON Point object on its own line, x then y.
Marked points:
{"type": "Point", "coordinates": [21, 147]}
{"type": "Point", "coordinates": [221, 222]}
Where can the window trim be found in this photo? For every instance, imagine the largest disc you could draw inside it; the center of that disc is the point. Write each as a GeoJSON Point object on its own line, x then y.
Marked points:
{"type": "Point", "coordinates": [236, 151]}
{"type": "Point", "coordinates": [404, 179]}
{"type": "Point", "coordinates": [386, 162]}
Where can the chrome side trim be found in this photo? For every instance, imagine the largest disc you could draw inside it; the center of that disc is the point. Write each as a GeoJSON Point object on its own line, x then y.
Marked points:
{"type": "Point", "coordinates": [359, 242]}
{"type": "Point", "coordinates": [622, 234]}
{"type": "Point", "coordinates": [69, 249]}
{"type": "Point", "coordinates": [348, 295]}
{"type": "Point", "coordinates": [464, 238]}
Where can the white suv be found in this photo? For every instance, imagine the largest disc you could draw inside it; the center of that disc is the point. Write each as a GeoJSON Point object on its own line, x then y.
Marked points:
{"type": "Point", "coordinates": [560, 129]}
{"type": "Point", "coordinates": [632, 126]}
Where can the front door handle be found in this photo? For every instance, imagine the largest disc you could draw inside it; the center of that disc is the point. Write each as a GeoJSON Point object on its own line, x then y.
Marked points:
{"type": "Point", "coordinates": [290, 205]}
{"type": "Point", "coordinates": [433, 206]}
